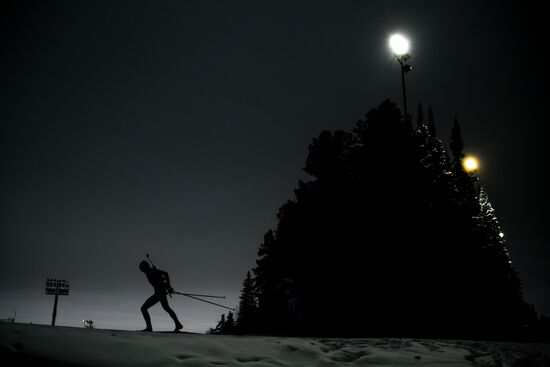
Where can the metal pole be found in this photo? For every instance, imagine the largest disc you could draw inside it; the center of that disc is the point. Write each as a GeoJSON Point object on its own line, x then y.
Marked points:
{"type": "Point", "coordinates": [203, 300]}
{"type": "Point", "coordinates": [403, 85]}
{"type": "Point", "coordinates": [54, 314]}
{"type": "Point", "coordinates": [202, 295]}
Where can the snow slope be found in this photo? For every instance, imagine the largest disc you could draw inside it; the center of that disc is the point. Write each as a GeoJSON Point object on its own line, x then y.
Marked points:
{"type": "Point", "coordinates": [64, 346]}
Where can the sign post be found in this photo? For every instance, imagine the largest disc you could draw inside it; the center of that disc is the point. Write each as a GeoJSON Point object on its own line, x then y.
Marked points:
{"type": "Point", "coordinates": [58, 288]}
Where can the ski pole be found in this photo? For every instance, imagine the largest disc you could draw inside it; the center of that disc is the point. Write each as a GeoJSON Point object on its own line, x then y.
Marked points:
{"type": "Point", "coordinates": [202, 295]}
{"type": "Point", "coordinates": [191, 295]}
{"type": "Point", "coordinates": [203, 300]}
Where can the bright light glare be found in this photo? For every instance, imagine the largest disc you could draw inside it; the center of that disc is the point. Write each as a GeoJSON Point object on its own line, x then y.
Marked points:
{"type": "Point", "coordinates": [470, 164]}
{"type": "Point", "coordinates": [399, 45]}
{"type": "Point", "coordinates": [501, 235]}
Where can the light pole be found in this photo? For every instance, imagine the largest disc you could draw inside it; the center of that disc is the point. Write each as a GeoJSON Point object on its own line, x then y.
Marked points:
{"type": "Point", "coordinates": [58, 288]}
{"type": "Point", "coordinates": [400, 47]}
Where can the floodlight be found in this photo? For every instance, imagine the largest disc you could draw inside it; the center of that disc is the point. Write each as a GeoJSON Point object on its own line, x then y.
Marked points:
{"type": "Point", "coordinates": [399, 45]}
{"type": "Point", "coordinates": [470, 164]}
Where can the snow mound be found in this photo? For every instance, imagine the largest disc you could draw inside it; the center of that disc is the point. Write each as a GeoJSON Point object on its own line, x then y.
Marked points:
{"type": "Point", "coordinates": [64, 346]}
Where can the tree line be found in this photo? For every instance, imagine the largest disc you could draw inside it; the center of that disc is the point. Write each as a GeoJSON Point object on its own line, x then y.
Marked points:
{"type": "Point", "coordinates": [391, 236]}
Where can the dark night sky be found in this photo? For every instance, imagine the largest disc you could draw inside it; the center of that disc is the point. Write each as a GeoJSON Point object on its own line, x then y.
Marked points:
{"type": "Point", "coordinates": [179, 128]}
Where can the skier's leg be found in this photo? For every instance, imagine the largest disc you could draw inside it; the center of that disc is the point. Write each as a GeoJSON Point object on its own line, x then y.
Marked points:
{"type": "Point", "coordinates": [166, 307]}
{"type": "Point", "coordinates": [151, 301]}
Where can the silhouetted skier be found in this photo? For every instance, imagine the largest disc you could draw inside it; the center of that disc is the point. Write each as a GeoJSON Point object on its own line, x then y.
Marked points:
{"type": "Point", "coordinates": [161, 283]}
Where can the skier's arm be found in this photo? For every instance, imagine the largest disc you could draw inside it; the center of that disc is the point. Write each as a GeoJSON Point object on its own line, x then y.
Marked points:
{"type": "Point", "coordinates": [167, 278]}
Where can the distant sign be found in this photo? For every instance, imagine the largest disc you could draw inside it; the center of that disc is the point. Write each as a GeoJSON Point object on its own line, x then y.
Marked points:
{"type": "Point", "coordinates": [57, 286]}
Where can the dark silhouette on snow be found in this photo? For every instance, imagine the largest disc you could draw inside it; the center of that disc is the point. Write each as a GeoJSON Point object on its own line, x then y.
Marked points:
{"type": "Point", "coordinates": [225, 325]}
{"type": "Point", "coordinates": [160, 281]}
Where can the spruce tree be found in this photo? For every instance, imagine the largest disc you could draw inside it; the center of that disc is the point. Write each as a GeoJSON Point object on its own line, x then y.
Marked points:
{"type": "Point", "coordinates": [246, 316]}
{"type": "Point", "coordinates": [431, 122]}
{"type": "Point", "coordinates": [501, 287]}
{"type": "Point", "coordinates": [229, 325]}
{"type": "Point", "coordinates": [466, 192]}
{"type": "Point", "coordinates": [420, 116]}
{"type": "Point", "coordinates": [268, 275]}
{"type": "Point", "coordinates": [220, 326]}
{"type": "Point", "coordinates": [457, 144]}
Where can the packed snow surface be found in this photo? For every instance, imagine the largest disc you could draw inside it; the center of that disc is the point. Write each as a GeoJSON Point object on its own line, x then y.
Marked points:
{"type": "Point", "coordinates": [52, 346]}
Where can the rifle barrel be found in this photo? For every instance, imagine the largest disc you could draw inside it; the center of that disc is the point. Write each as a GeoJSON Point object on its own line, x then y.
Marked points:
{"type": "Point", "coordinates": [148, 258]}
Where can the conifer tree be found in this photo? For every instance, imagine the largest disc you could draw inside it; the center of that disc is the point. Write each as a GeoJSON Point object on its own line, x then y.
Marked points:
{"type": "Point", "coordinates": [246, 316]}
{"type": "Point", "coordinates": [420, 116]}
{"type": "Point", "coordinates": [466, 192]}
{"type": "Point", "coordinates": [431, 123]}
{"type": "Point", "coordinates": [502, 293]}
{"type": "Point", "coordinates": [268, 275]}
{"type": "Point", "coordinates": [457, 144]}
{"type": "Point", "coordinates": [229, 325]}
{"type": "Point", "coordinates": [220, 326]}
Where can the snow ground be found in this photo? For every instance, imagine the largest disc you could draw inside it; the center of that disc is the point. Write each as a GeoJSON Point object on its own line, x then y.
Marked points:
{"type": "Point", "coordinates": [64, 346]}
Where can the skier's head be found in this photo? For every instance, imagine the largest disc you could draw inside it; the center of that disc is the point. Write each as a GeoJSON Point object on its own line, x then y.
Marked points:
{"type": "Point", "coordinates": [144, 266]}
